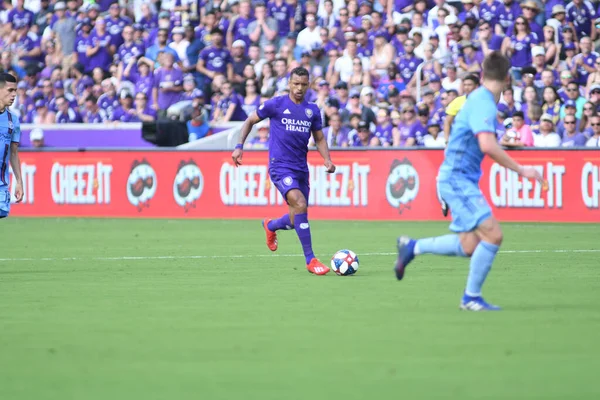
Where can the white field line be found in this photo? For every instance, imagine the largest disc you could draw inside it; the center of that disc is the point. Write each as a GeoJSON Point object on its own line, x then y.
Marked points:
{"type": "Point", "coordinates": [222, 256]}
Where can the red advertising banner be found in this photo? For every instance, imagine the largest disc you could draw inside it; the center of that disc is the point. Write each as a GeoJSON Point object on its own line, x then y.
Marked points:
{"type": "Point", "coordinates": [368, 185]}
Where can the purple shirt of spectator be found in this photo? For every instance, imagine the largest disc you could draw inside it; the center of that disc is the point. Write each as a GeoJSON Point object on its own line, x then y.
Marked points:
{"type": "Point", "coordinates": [384, 133]}
{"type": "Point", "coordinates": [167, 78]}
{"type": "Point", "coordinates": [240, 30]}
{"type": "Point", "coordinates": [20, 19]}
{"type": "Point", "coordinates": [144, 84]}
{"type": "Point", "coordinates": [407, 67]}
{"type": "Point", "coordinates": [81, 45]}
{"type": "Point", "coordinates": [203, 34]}
{"type": "Point", "coordinates": [95, 117]}
{"type": "Point", "coordinates": [418, 131]}
{"type": "Point", "coordinates": [334, 139]}
{"type": "Point", "coordinates": [406, 132]}
{"type": "Point", "coordinates": [398, 45]}
{"type": "Point", "coordinates": [149, 24]}
{"type": "Point", "coordinates": [589, 60]}
{"type": "Point", "coordinates": [29, 42]}
{"type": "Point", "coordinates": [577, 139]}
{"type": "Point", "coordinates": [490, 12]}
{"type": "Point", "coordinates": [251, 107]}
{"type": "Point", "coordinates": [238, 113]}
{"type": "Point", "coordinates": [581, 17]}
{"type": "Point", "coordinates": [291, 126]}
{"type": "Point", "coordinates": [402, 4]}
{"type": "Point", "coordinates": [102, 58]}
{"type": "Point", "coordinates": [216, 59]}
{"type": "Point", "coordinates": [365, 51]}
{"type": "Point", "coordinates": [71, 116]}
{"type": "Point", "coordinates": [257, 143]}
{"type": "Point", "coordinates": [356, 142]}
{"type": "Point", "coordinates": [126, 52]}
{"type": "Point", "coordinates": [124, 116]}
{"type": "Point", "coordinates": [282, 14]}
{"type": "Point", "coordinates": [521, 56]}
{"type": "Point", "coordinates": [507, 15]}
{"type": "Point", "coordinates": [115, 28]}
{"type": "Point", "coordinates": [108, 103]}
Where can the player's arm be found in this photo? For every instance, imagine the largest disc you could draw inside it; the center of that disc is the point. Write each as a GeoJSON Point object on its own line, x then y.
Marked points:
{"type": "Point", "coordinates": [489, 146]}
{"type": "Point", "coordinates": [448, 126]}
{"type": "Point", "coordinates": [247, 126]}
{"type": "Point", "coordinates": [15, 163]}
{"type": "Point", "coordinates": [323, 149]}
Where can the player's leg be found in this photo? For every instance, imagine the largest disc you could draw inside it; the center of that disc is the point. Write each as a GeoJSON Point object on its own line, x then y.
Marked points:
{"type": "Point", "coordinates": [298, 205]}
{"type": "Point", "coordinates": [4, 203]}
{"type": "Point", "coordinates": [271, 226]}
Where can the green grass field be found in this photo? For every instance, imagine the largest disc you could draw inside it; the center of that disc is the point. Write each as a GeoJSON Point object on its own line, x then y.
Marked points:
{"type": "Point", "coordinates": [189, 309]}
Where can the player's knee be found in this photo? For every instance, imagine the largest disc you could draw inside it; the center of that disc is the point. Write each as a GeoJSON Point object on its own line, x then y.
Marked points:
{"type": "Point", "coordinates": [301, 206]}
{"type": "Point", "coordinates": [469, 243]}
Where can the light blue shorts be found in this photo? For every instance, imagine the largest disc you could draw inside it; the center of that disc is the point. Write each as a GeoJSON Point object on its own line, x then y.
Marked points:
{"type": "Point", "coordinates": [4, 203]}
{"type": "Point", "coordinates": [468, 206]}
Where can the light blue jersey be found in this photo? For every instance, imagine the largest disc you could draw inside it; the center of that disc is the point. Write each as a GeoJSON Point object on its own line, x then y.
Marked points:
{"type": "Point", "coordinates": [458, 178]}
{"type": "Point", "coordinates": [463, 156]}
{"type": "Point", "coordinates": [10, 131]}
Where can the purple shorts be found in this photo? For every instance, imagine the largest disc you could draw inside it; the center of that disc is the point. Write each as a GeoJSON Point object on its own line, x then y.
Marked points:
{"type": "Point", "coordinates": [285, 181]}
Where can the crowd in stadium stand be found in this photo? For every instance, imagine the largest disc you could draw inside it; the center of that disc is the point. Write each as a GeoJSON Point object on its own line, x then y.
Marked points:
{"type": "Point", "coordinates": [384, 73]}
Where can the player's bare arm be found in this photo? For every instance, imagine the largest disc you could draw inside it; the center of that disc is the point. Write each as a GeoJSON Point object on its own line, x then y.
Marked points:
{"type": "Point", "coordinates": [247, 126]}
{"type": "Point", "coordinates": [489, 145]}
{"type": "Point", "coordinates": [323, 149]}
{"type": "Point", "coordinates": [15, 163]}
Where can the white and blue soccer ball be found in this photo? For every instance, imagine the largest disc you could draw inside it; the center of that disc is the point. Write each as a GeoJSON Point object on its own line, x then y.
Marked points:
{"type": "Point", "coordinates": [344, 262]}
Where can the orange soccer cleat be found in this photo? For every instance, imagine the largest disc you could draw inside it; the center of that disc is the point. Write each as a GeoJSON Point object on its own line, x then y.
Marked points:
{"type": "Point", "coordinates": [317, 267]}
{"type": "Point", "coordinates": [271, 236]}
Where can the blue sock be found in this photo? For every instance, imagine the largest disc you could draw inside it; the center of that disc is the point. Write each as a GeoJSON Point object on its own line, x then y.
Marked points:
{"type": "Point", "coordinates": [283, 223]}
{"type": "Point", "coordinates": [303, 231]}
{"type": "Point", "coordinates": [447, 245]}
{"type": "Point", "coordinates": [481, 263]}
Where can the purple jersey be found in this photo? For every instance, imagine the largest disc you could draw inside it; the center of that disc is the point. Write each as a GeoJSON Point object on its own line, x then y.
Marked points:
{"type": "Point", "coordinates": [589, 60]}
{"type": "Point", "coordinates": [407, 67]}
{"type": "Point", "coordinates": [71, 116]}
{"type": "Point", "coordinates": [95, 117]}
{"type": "Point", "coordinates": [108, 103]}
{"type": "Point", "coordinates": [575, 140]}
{"type": "Point", "coordinates": [234, 99]}
{"type": "Point", "coordinates": [366, 50]}
{"type": "Point", "coordinates": [249, 108]}
{"type": "Point", "coordinates": [406, 132]}
{"type": "Point", "coordinates": [507, 16]}
{"type": "Point", "coordinates": [149, 24]}
{"type": "Point", "coordinates": [216, 59]}
{"type": "Point", "coordinates": [20, 19]}
{"type": "Point", "coordinates": [81, 45]}
{"type": "Point", "coordinates": [102, 57]}
{"type": "Point", "coordinates": [144, 84]}
{"type": "Point", "coordinates": [27, 43]}
{"type": "Point", "coordinates": [115, 28]}
{"type": "Point", "coordinates": [521, 56]}
{"type": "Point", "coordinates": [335, 139]}
{"type": "Point", "coordinates": [490, 12]}
{"type": "Point", "coordinates": [167, 78]}
{"type": "Point", "coordinates": [418, 131]}
{"type": "Point", "coordinates": [581, 17]}
{"type": "Point", "coordinates": [384, 133]}
{"type": "Point", "coordinates": [127, 52]}
{"type": "Point", "coordinates": [122, 115]}
{"type": "Point", "coordinates": [291, 128]}
{"type": "Point", "coordinates": [240, 30]}
{"type": "Point", "coordinates": [282, 15]}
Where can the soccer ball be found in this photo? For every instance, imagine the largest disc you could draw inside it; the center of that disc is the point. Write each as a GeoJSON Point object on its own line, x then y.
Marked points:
{"type": "Point", "coordinates": [344, 262]}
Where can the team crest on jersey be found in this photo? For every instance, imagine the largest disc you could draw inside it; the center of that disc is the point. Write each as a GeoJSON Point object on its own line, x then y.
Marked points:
{"type": "Point", "coordinates": [402, 185]}
{"type": "Point", "coordinates": [141, 184]}
{"type": "Point", "coordinates": [11, 126]}
{"type": "Point", "coordinates": [188, 185]}
{"type": "Point", "coordinates": [309, 113]}
{"type": "Point", "coordinates": [287, 181]}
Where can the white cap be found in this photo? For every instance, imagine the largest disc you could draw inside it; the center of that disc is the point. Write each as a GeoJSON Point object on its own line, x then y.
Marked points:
{"type": "Point", "coordinates": [239, 43]}
{"type": "Point", "coordinates": [263, 124]}
{"type": "Point", "coordinates": [414, 30]}
{"type": "Point", "coordinates": [179, 29]}
{"type": "Point", "coordinates": [451, 19]}
{"type": "Point", "coordinates": [36, 134]}
{"type": "Point", "coordinates": [538, 51]}
{"type": "Point", "coordinates": [366, 90]}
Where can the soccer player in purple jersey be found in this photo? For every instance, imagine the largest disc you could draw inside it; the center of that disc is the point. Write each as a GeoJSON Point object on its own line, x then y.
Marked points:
{"type": "Point", "coordinates": [293, 119]}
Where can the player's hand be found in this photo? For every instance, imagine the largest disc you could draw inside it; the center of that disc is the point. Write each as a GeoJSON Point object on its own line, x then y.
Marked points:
{"type": "Point", "coordinates": [237, 156]}
{"type": "Point", "coordinates": [330, 166]}
{"type": "Point", "coordinates": [531, 173]}
{"type": "Point", "coordinates": [19, 192]}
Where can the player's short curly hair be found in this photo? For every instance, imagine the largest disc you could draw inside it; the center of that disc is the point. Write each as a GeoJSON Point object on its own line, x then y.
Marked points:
{"type": "Point", "coordinates": [5, 77]}
{"type": "Point", "coordinates": [300, 71]}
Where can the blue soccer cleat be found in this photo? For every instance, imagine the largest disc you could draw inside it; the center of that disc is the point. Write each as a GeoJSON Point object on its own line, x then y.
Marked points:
{"type": "Point", "coordinates": [469, 303]}
{"type": "Point", "coordinates": [406, 253]}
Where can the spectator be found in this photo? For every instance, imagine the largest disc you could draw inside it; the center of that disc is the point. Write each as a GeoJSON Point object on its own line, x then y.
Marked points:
{"type": "Point", "coordinates": [364, 137]}
{"type": "Point", "coordinates": [530, 11]}
{"type": "Point", "coordinates": [128, 53]}
{"type": "Point", "coordinates": [283, 12]}
{"type": "Point", "coordinates": [59, 91]}
{"type": "Point", "coordinates": [93, 114]}
{"type": "Point", "coordinates": [570, 110]}
{"type": "Point", "coordinates": [198, 126]}
{"type": "Point", "coordinates": [433, 139]}
{"type": "Point", "coordinates": [451, 80]}
{"type": "Point", "coordinates": [64, 27]}
{"type": "Point", "coordinates": [238, 30]}
{"type": "Point", "coordinates": [65, 113]}
{"type": "Point", "coordinates": [342, 94]}
{"type": "Point", "coordinates": [168, 84]}
{"type": "Point", "coordinates": [239, 61]}
{"type": "Point", "coordinates": [585, 125]}
{"type": "Point", "coordinates": [336, 134]}
{"type": "Point", "coordinates": [579, 16]}
{"type": "Point", "coordinates": [550, 48]}
{"type": "Point", "coordinates": [252, 98]}
{"type": "Point", "coordinates": [144, 112]}
{"type": "Point", "coordinates": [115, 23]}
{"type": "Point", "coordinates": [573, 94]}
{"type": "Point", "coordinates": [594, 141]}
{"type": "Point", "coordinates": [108, 99]}
{"type": "Point", "coordinates": [267, 81]}
{"type": "Point", "coordinates": [552, 103]}
{"type": "Point", "coordinates": [98, 49]}
{"type": "Point", "coordinates": [534, 113]}
{"type": "Point", "coordinates": [572, 138]}
{"type": "Point", "coordinates": [282, 75]}
{"type": "Point", "coordinates": [519, 134]}
{"type": "Point", "coordinates": [547, 137]}
{"type": "Point", "coordinates": [261, 140]}
{"type": "Point", "coordinates": [384, 129]}
{"type": "Point", "coordinates": [584, 62]}
{"type": "Point", "coordinates": [530, 98]}
{"type": "Point", "coordinates": [263, 30]}
{"type": "Point", "coordinates": [36, 138]}
{"type": "Point", "coordinates": [180, 44]}
{"type": "Point", "coordinates": [40, 114]}
{"type": "Point", "coordinates": [408, 63]}
{"type": "Point", "coordinates": [125, 111]}
{"type": "Point", "coordinates": [229, 107]}
{"type": "Point", "coordinates": [518, 46]}
{"type": "Point", "coordinates": [419, 129]}
{"type": "Point", "coordinates": [403, 134]}
{"type": "Point", "coordinates": [507, 104]}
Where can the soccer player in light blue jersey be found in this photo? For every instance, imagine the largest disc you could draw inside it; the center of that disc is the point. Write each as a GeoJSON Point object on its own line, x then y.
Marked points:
{"type": "Point", "coordinates": [477, 232]}
{"type": "Point", "coordinates": [293, 121]}
{"type": "Point", "coordinates": [10, 135]}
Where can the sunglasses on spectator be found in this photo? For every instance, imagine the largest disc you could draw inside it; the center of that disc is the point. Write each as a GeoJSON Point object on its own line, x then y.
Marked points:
{"type": "Point", "coordinates": [595, 124]}
{"type": "Point", "coordinates": [571, 89]}
{"type": "Point", "coordinates": [408, 111]}
{"type": "Point", "coordinates": [569, 122]}
{"type": "Point", "coordinates": [595, 91]}
{"type": "Point", "coordinates": [588, 109]}
{"type": "Point", "coordinates": [343, 15]}
{"type": "Point", "coordinates": [520, 23]}
{"type": "Point", "coordinates": [269, 52]}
